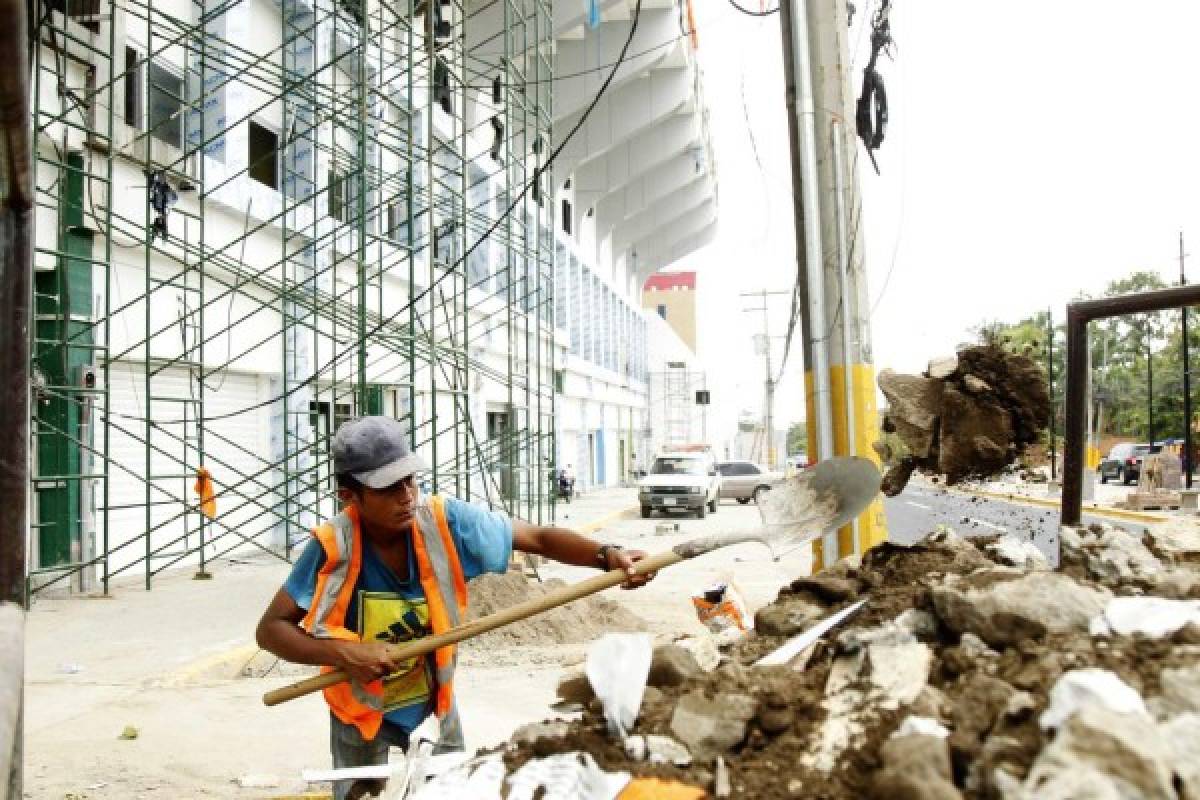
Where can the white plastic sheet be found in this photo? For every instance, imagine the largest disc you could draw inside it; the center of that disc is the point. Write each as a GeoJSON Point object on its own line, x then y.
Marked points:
{"type": "Point", "coordinates": [569, 776]}
{"type": "Point", "coordinates": [617, 667]}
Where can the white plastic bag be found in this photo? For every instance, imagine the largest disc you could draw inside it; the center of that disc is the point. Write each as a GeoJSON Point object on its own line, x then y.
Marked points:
{"type": "Point", "coordinates": [617, 667]}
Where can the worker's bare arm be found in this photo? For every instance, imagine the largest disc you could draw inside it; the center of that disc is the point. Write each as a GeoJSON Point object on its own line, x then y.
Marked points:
{"type": "Point", "coordinates": [569, 547]}
{"type": "Point", "coordinates": [279, 632]}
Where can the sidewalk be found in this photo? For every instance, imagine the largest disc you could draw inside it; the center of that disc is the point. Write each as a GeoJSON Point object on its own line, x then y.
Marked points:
{"type": "Point", "coordinates": [169, 662]}
{"type": "Point", "coordinates": [588, 512]}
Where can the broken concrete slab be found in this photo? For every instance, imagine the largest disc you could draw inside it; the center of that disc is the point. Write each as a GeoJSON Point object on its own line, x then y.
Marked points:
{"type": "Point", "coordinates": [1128, 749]}
{"type": "Point", "coordinates": [1180, 688]}
{"type": "Point", "coordinates": [914, 405]}
{"type": "Point", "coordinates": [1175, 542]}
{"type": "Point", "coordinates": [1080, 689]}
{"type": "Point", "coordinates": [1182, 735]}
{"type": "Point", "coordinates": [533, 731]}
{"type": "Point", "coordinates": [671, 665]}
{"type": "Point", "coordinates": [709, 727]}
{"type": "Point", "coordinates": [703, 648]}
{"type": "Point", "coordinates": [657, 750]}
{"type": "Point", "coordinates": [1013, 552]}
{"type": "Point", "coordinates": [1003, 605]}
{"type": "Point", "coordinates": [788, 617]}
{"type": "Point", "coordinates": [942, 367]}
{"type": "Point", "coordinates": [1119, 557]}
{"type": "Point", "coordinates": [1154, 617]}
{"type": "Point", "coordinates": [826, 587]}
{"type": "Point", "coordinates": [917, 767]}
{"type": "Point", "coordinates": [881, 669]}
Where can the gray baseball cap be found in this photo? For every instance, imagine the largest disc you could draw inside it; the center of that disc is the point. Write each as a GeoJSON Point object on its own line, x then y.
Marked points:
{"type": "Point", "coordinates": [375, 452]}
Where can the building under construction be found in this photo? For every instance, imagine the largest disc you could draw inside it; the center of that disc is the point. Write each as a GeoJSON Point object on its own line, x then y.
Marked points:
{"type": "Point", "coordinates": [257, 218]}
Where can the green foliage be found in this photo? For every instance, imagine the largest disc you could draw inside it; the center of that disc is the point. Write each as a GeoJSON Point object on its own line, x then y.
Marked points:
{"type": "Point", "coordinates": [797, 438]}
{"type": "Point", "coordinates": [1122, 348]}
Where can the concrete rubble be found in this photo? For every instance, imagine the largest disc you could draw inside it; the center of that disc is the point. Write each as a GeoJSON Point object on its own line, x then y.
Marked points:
{"type": "Point", "coordinates": [970, 415]}
{"type": "Point", "coordinates": [972, 672]}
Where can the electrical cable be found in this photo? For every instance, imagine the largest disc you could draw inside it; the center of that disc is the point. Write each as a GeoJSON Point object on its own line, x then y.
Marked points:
{"type": "Point", "coordinates": [384, 321]}
{"type": "Point", "coordinates": [871, 114]}
{"type": "Point", "coordinates": [750, 13]}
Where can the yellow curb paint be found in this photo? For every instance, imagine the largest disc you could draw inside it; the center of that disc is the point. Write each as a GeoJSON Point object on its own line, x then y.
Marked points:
{"type": "Point", "coordinates": [1116, 513]}
{"type": "Point", "coordinates": [195, 669]}
{"type": "Point", "coordinates": [597, 524]}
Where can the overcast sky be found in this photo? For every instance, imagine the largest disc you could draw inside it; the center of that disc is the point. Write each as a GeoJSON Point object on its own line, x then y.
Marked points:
{"type": "Point", "coordinates": [1035, 150]}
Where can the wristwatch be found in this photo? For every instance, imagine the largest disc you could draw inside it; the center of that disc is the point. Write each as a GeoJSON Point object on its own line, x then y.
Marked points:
{"type": "Point", "coordinates": [602, 554]}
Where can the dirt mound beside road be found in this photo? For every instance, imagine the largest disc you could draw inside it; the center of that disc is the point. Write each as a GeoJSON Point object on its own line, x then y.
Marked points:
{"type": "Point", "coordinates": [969, 416]}
{"type": "Point", "coordinates": [578, 622]}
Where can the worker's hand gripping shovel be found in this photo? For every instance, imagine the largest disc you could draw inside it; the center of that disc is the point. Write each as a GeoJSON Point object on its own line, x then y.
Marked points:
{"type": "Point", "coordinates": [802, 508]}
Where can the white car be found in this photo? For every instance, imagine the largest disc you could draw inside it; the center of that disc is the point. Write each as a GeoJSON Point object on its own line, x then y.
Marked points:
{"type": "Point", "coordinates": [680, 482]}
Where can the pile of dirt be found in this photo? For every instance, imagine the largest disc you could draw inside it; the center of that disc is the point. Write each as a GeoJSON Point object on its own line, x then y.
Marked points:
{"type": "Point", "coordinates": [578, 622]}
{"type": "Point", "coordinates": [939, 686]}
{"type": "Point", "coordinates": [968, 416]}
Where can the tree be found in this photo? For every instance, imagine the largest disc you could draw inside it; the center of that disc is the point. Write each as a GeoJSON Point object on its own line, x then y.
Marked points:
{"type": "Point", "coordinates": [797, 438]}
{"type": "Point", "coordinates": [1124, 352]}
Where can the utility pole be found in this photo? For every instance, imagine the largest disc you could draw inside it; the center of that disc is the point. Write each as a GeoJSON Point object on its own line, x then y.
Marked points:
{"type": "Point", "coordinates": [769, 385]}
{"type": "Point", "coordinates": [1187, 382]}
{"type": "Point", "coordinates": [1149, 385]}
{"type": "Point", "coordinates": [840, 389]}
{"type": "Point", "coordinates": [1050, 384]}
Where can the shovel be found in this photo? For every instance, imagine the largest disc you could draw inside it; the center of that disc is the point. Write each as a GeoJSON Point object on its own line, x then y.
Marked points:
{"type": "Point", "coordinates": [801, 509]}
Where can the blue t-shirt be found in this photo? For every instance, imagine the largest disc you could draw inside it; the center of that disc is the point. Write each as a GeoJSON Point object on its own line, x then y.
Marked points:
{"type": "Point", "coordinates": [386, 608]}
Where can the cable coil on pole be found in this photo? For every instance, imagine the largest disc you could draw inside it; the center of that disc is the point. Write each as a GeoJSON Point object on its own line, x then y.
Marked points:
{"type": "Point", "coordinates": [871, 114]}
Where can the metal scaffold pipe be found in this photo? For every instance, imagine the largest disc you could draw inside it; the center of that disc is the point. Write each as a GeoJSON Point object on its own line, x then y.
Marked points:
{"type": "Point", "coordinates": [16, 275]}
{"type": "Point", "coordinates": [812, 250]}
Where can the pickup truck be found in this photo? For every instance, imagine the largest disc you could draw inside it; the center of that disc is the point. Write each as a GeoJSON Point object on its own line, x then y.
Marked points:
{"type": "Point", "coordinates": [680, 482]}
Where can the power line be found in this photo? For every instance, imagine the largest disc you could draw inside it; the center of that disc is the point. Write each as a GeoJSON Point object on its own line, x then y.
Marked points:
{"type": "Point", "coordinates": [750, 13]}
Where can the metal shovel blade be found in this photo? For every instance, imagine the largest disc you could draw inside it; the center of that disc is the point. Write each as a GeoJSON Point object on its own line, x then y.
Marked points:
{"type": "Point", "coordinates": [821, 498]}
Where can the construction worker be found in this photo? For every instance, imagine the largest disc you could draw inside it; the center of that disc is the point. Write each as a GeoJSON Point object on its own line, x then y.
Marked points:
{"type": "Point", "coordinates": [392, 567]}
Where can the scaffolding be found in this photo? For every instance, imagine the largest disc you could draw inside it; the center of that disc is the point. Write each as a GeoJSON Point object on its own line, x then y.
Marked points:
{"type": "Point", "coordinates": [674, 407]}
{"type": "Point", "coordinates": [257, 218]}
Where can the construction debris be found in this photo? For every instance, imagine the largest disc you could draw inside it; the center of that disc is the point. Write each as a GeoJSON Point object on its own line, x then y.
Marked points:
{"type": "Point", "coordinates": [968, 416]}
{"type": "Point", "coordinates": [973, 671]}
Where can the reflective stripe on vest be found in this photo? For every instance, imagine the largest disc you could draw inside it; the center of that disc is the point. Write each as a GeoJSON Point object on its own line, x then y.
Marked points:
{"type": "Point", "coordinates": [441, 577]}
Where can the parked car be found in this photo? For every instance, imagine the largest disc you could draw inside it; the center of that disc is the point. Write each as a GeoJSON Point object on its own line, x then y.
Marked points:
{"type": "Point", "coordinates": [745, 481]}
{"type": "Point", "coordinates": [681, 482]}
{"type": "Point", "coordinates": [1124, 462]}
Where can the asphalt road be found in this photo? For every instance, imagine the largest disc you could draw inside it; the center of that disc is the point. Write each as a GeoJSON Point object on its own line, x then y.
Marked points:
{"type": "Point", "coordinates": [919, 509]}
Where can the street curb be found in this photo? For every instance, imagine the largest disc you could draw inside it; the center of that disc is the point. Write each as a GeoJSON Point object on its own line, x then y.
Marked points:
{"type": "Point", "coordinates": [1020, 499]}
{"type": "Point", "coordinates": [193, 671]}
{"type": "Point", "coordinates": [597, 524]}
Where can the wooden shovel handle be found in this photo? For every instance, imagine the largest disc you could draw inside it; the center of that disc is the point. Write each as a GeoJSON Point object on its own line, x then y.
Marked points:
{"type": "Point", "coordinates": [515, 613]}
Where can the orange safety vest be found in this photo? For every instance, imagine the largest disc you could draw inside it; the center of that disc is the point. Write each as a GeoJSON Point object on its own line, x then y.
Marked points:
{"type": "Point", "coordinates": [445, 588]}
